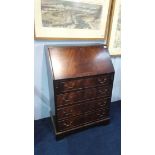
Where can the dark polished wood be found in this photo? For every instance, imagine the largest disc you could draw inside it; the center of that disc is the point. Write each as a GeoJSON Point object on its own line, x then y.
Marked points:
{"type": "Point", "coordinates": [84, 82]}
{"type": "Point", "coordinates": [72, 122]}
{"type": "Point", "coordinates": [60, 135]}
{"type": "Point", "coordinates": [82, 79]}
{"type": "Point", "coordinates": [83, 95]}
{"type": "Point", "coordinates": [73, 62]}
{"type": "Point", "coordinates": [88, 106]}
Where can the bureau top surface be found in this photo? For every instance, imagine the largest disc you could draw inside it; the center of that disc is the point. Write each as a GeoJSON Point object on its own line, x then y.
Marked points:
{"type": "Point", "coordinates": [79, 61]}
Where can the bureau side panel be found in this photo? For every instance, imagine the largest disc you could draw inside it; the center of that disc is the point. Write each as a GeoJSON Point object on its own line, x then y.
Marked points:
{"type": "Point", "coordinates": [50, 83]}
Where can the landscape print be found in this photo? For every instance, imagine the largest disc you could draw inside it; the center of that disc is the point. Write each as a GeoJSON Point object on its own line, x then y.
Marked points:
{"type": "Point", "coordinates": [117, 42]}
{"type": "Point", "coordinates": [70, 14]}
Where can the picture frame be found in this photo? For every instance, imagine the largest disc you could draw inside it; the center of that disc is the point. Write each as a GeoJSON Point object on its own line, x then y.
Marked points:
{"type": "Point", "coordinates": [114, 40]}
{"type": "Point", "coordinates": [72, 19]}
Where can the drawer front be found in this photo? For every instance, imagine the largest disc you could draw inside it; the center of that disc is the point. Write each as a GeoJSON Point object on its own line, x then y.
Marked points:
{"type": "Point", "coordinates": [81, 120]}
{"type": "Point", "coordinates": [84, 107]}
{"type": "Point", "coordinates": [68, 85]}
{"type": "Point", "coordinates": [86, 94]}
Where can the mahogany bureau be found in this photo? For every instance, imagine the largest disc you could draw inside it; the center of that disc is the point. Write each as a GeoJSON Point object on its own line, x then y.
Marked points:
{"type": "Point", "coordinates": [81, 78]}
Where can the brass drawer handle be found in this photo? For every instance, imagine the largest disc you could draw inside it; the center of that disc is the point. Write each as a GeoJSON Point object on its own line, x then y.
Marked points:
{"type": "Point", "coordinates": [100, 104]}
{"type": "Point", "coordinates": [101, 91]}
{"type": "Point", "coordinates": [104, 103]}
{"type": "Point", "coordinates": [67, 113]}
{"type": "Point", "coordinates": [100, 80]}
{"type": "Point", "coordinates": [69, 85]}
{"type": "Point", "coordinates": [101, 114]}
{"type": "Point", "coordinates": [68, 124]}
{"type": "Point", "coordinates": [67, 98]}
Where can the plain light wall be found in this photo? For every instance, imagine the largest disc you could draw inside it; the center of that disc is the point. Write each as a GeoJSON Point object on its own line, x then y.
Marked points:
{"type": "Point", "coordinates": [41, 90]}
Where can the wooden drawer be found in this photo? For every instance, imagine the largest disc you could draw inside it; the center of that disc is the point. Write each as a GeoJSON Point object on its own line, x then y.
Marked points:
{"type": "Point", "coordinates": [87, 82]}
{"type": "Point", "coordinates": [81, 120]}
{"type": "Point", "coordinates": [86, 94]}
{"type": "Point", "coordinates": [84, 107]}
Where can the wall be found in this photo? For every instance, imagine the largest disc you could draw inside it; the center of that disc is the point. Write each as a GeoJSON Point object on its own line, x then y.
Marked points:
{"type": "Point", "coordinates": [41, 91]}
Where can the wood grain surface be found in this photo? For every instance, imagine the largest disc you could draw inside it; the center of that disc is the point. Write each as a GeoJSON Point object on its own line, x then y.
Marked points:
{"type": "Point", "coordinates": [73, 62]}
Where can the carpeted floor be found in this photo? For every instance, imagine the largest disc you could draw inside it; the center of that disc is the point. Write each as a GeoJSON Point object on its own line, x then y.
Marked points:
{"type": "Point", "coordinates": [100, 140]}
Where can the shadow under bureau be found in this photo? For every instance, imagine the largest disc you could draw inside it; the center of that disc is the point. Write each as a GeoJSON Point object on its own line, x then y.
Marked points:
{"type": "Point", "coordinates": [81, 80]}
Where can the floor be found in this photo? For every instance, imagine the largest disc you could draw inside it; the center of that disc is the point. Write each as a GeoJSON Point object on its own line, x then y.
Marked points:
{"type": "Point", "coordinates": [100, 140]}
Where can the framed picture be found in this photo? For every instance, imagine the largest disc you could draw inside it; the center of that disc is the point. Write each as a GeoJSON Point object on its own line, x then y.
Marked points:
{"type": "Point", "coordinates": [72, 19]}
{"type": "Point", "coordinates": [115, 32]}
